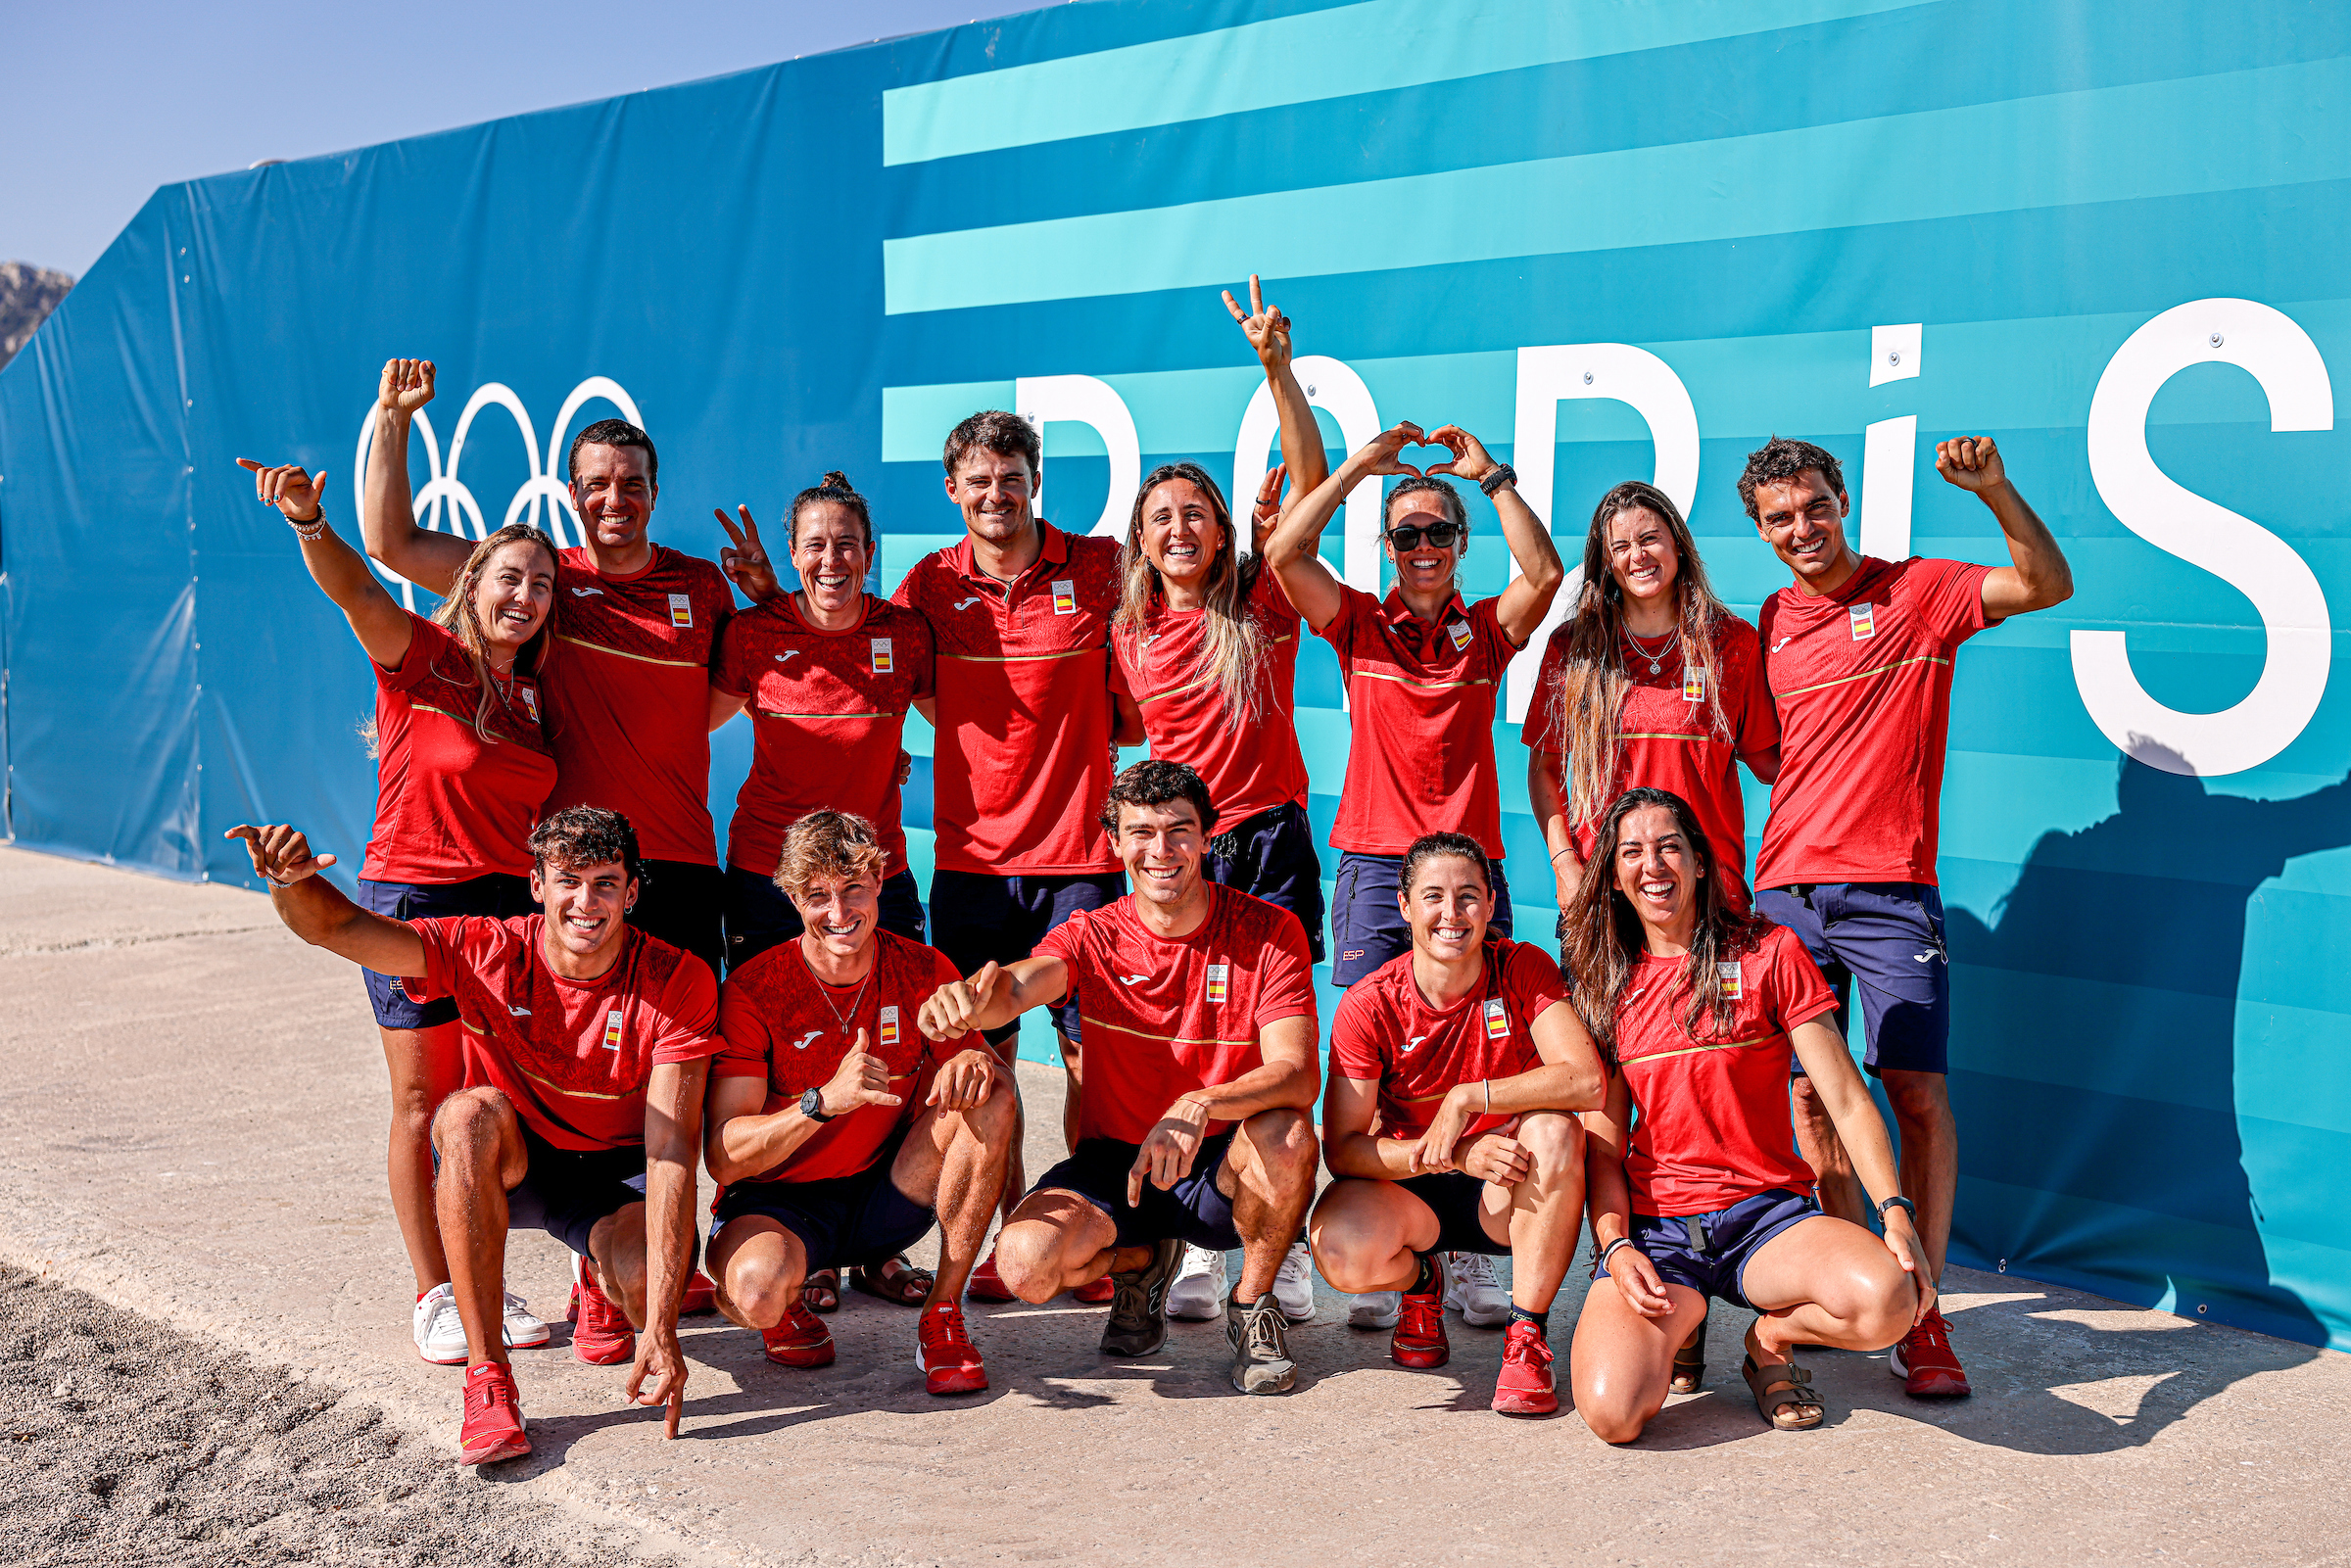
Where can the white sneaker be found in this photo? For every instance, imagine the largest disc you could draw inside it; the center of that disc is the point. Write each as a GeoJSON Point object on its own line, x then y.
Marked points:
{"type": "Point", "coordinates": [523, 1332]}
{"type": "Point", "coordinates": [1379, 1309]}
{"type": "Point", "coordinates": [1477, 1292]}
{"type": "Point", "coordinates": [1294, 1286]}
{"type": "Point", "coordinates": [1198, 1293]}
{"type": "Point", "coordinates": [440, 1334]}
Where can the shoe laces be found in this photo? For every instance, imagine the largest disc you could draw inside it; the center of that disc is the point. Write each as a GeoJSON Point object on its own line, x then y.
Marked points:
{"type": "Point", "coordinates": [1473, 1268]}
{"type": "Point", "coordinates": [1526, 1347]}
{"type": "Point", "coordinates": [1932, 1332]}
{"type": "Point", "coordinates": [1261, 1332]}
{"type": "Point", "coordinates": [1198, 1262]}
{"type": "Point", "coordinates": [944, 1326]}
{"type": "Point", "coordinates": [489, 1391]}
{"type": "Point", "coordinates": [1424, 1317]}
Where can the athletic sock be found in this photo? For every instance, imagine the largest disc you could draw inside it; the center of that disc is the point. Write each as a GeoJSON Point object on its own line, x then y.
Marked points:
{"type": "Point", "coordinates": [1541, 1320]}
{"type": "Point", "coordinates": [1425, 1282]}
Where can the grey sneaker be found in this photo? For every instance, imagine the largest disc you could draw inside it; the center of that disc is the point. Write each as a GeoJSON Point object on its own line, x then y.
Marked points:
{"type": "Point", "coordinates": [1138, 1312]}
{"type": "Point", "coordinates": [1260, 1353]}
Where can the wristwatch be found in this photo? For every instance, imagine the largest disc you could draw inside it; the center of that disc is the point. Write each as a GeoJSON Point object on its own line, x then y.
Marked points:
{"type": "Point", "coordinates": [812, 1106]}
{"type": "Point", "coordinates": [1898, 1200]}
{"type": "Point", "coordinates": [1501, 475]}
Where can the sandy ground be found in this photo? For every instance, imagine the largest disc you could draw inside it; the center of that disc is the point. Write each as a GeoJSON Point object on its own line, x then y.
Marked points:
{"type": "Point", "coordinates": [191, 1123]}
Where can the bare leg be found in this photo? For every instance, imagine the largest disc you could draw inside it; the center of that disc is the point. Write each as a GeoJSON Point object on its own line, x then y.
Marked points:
{"type": "Point", "coordinates": [1546, 1213]}
{"type": "Point", "coordinates": [482, 1160]}
{"type": "Point", "coordinates": [759, 1266]}
{"type": "Point", "coordinates": [1930, 1154]}
{"type": "Point", "coordinates": [1057, 1241]}
{"type": "Point", "coordinates": [1366, 1235]}
{"type": "Point", "coordinates": [1073, 1067]}
{"type": "Point", "coordinates": [1817, 1141]}
{"type": "Point", "coordinates": [616, 1250]}
{"type": "Point", "coordinates": [425, 1066]}
{"type": "Point", "coordinates": [1622, 1364]}
{"type": "Point", "coordinates": [954, 1161]}
{"type": "Point", "coordinates": [1825, 1281]}
{"type": "Point", "coordinates": [1268, 1174]}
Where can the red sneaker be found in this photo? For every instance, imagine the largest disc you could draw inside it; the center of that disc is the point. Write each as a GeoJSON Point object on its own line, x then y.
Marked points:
{"type": "Point", "coordinates": [943, 1350]}
{"type": "Point", "coordinates": [1094, 1294]}
{"type": "Point", "coordinates": [1420, 1338]}
{"type": "Point", "coordinates": [1925, 1363]}
{"type": "Point", "coordinates": [701, 1296]}
{"type": "Point", "coordinates": [986, 1285]}
{"type": "Point", "coordinates": [1524, 1386]}
{"type": "Point", "coordinates": [571, 1314]}
{"type": "Point", "coordinates": [494, 1428]}
{"type": "Point", "coordinates": [801, 1339]}
{"type": "Point", "coordinates": [603, 1337]}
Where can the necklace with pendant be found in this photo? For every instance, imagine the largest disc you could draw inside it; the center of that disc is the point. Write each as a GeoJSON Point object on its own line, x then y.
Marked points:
{"type": "Point", "coordinates": [838, 1016]}
{"type": "Point", "coordinates": [1656, 660]}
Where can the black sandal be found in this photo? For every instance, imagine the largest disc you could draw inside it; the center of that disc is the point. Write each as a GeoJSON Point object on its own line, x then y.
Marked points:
{"type": "Point", "coordinates": [893, 1279]}
{"type": "Point", "coordinates": [821, 1291]}
{"type": "Point", "coordinates": [1690, 1362]}
{"type": "Point", "coordinates": [1783, 1385]}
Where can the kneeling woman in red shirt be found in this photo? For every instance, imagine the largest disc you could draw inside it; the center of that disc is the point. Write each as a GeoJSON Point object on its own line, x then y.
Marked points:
{"type": "Point", "coordinates": [462, 771]}
{"type": "Point", "coordinates": [1701, 1007]}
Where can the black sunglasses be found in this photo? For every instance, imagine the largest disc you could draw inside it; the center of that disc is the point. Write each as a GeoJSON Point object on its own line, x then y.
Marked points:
{"type": "Point", "coordinates": [1407, 536]}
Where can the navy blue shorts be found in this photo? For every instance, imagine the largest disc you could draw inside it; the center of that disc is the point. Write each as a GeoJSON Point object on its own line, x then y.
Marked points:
{"type": "Point", "coordinates": [684, 903]}
{"type": "Point", "coordinates": [564, 1192]}
{"type": "Point", "coordinates": [976, 916]}
{"type": "Point", "coordinates": [1192, 1209]}
{"type": "Point", "coordinates": [1271, 856]}
{"type": "Point", "coordinates": [1888, 937]}
{"type": "Point", "coordinates": [1367, 929]}
{"type": "Point", "coordinates": [496, 895]}
{"type": "Point", "coordinates": [759, 916]}
{"type": "Point", "coordinates": [843, 1221]}
{"type": "Point", "coordinates": [1709, 1252]}
{"type": "Point", "coordinates": [1457, 1198]}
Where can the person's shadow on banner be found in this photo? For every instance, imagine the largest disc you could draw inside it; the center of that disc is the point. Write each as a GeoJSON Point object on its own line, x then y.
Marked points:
{"type": "Point", "coordinates": [2113, 973]}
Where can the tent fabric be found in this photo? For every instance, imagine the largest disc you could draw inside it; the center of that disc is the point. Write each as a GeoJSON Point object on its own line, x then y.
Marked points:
{"type": "Point", "coordinates": [1656, 234]}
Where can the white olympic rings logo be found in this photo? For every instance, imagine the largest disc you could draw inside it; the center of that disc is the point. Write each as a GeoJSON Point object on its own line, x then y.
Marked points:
{"type": "Point", "coordinates": [445, 505]}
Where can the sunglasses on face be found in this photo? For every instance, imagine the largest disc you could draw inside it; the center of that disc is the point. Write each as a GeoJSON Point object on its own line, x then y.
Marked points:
{"type": "Point", "coordinates": [1408, 534]}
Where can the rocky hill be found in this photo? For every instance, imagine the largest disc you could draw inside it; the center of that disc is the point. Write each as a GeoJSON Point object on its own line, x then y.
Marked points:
{"type": "Point", "coordinates": [27, 294]}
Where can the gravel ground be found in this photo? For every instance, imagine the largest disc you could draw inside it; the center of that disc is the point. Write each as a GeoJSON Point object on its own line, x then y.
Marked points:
{"type": "Point", "coordinates": [125, 1441]}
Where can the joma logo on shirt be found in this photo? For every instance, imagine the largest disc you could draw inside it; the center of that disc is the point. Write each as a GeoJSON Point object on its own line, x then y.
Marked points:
{"type": "Point", "coordinates": [965, 603]}
{"type": "Point", "coordinates": [801, 1044]}
{"type": "Point", "coordinates": [582, 593]}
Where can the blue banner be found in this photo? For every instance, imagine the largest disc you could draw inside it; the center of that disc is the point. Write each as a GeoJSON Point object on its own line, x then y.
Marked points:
{"type": "Point", "coordinates": [1614, 239]}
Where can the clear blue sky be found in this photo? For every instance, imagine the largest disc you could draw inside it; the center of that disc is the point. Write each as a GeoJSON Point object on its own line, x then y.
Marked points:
{"type": "Point", "coordinates": [105, 100]}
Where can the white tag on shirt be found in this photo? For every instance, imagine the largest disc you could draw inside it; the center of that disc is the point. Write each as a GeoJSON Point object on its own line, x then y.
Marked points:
{"type": "Point", "coordinates": [681, 610]}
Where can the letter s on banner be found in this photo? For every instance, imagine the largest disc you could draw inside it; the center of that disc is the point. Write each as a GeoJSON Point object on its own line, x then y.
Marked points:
{"type": "Point", "coordinates": [2233, 548]}
{"type": "Point", "coordinates": [1548, 376]}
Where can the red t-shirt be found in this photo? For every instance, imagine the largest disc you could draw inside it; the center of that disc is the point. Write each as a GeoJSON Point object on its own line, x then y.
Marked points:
{"type": "Point", "coordinates": [784, 1025]}
{"type": "Point", "coordinates": [828, 710]}
{"type": "Point", "coordinates": [1862, 678]}
{"type": "Point", "coordinates": [450, 806]}
{"type": "Point", "coordinates": [1023, 759]}
{"type": "Point", "coordinates": [1420, 698]}
{"type": "Point", "coordinates": [1165, 1018]}
{"type": "Point", "coordinates": [1385, 1031]}
{"type": "Point", "coordinates": [1670, 739]}
{"type": "Point", "coordinates": [572, 1054]}
{"type": "Point", "coordinates": [629, 693]}
{"type": "Point", "coordinates": [1714, 1128]}
{"type": "Point", "coordinates": [1250, 764]}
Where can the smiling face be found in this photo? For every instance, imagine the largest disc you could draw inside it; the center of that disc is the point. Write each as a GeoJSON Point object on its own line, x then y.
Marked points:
{"type": "Point", "coordinates": [614, 491]}
{"type": "Point", "coordinates": [1161, 847]}
{"type": "Point", "coordinates": [994, 489]}
{"type": "Point", "coordinates": [829, 548]}
{"type": "Point", "coordinates": [1802, 520]}
{"type": "Point", "coordinates": [841, 914]}
{"type": "Point", "coordinates": [1426, 569]}
{"type": "Point", "coordinates": [513, 593]}
{"type": "Point", "coordinates": [1181, 534]}
{"type": "Point", "coordinates": [1656, 871]}
{"type": "Point", "coordinates": [1641, 555]}
{"type": "Point", "coordinates": [1448, 906]}
{"type": "Point", "coordinates": [584, 906]}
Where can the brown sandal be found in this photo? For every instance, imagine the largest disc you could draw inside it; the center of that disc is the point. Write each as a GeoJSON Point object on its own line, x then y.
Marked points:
{"type": "Point", "coordinates": [1783, 1385]}
{"type": "Point", "coordinates": [1690, 1362]}
{"type": "Point", "coordinates": [894, 1279]}
{"type": "Point", "coordinates": [821, 1293]}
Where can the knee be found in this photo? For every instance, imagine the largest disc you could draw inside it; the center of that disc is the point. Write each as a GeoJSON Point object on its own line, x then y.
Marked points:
{"type": "Point", "coordinates": [1885, 1312]}
{"type": "Point", "coordinates": [1556, 1140]}
{"type": "Point", "coordinates": [1029, 1262]}
{"type": "Point", "coordinates": [762, 1291]}
{"type": "Point", "coordinates": [469, 1119]}
{"type": "Point", "coordinates": [1284, 1140]}
{"type": "Point", "coordinates": [1919, 1099]}
{"type": "Point", "coordinates": [1346, 1260]}
{"type": "Point", "coordinates": [1612, 1411]}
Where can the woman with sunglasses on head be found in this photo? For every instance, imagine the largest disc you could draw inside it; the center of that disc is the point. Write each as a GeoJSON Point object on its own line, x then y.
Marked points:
{"type": "Point", "coordinates": [462, 773]}
{"type": "Point", "coordinates": [828, 673]}
{"type": "Point", "coordinates": [1695, 1186]}
{"type": "Point", "coordinates": [1650, 681]}
{"type": "Point", "coordinates": [1421, 668]}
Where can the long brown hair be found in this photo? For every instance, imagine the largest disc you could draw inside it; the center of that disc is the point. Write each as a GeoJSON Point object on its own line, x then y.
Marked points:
{"type": "Point", "coordinates": [458, 616]}
{"type": "Point", "coordinates": [1587, 701]}
{"type": "Point", "coordinates": [1232, 647]}
{"type": "Point", "coordinates": [1603, 939]}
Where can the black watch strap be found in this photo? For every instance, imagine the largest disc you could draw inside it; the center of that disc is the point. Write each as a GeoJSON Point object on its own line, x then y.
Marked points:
{"type": "Point", "coordinates": [812, 1106]}
{"type": "Point", "coordinates": [1502, 474]}
{"type": "Point", "coordinates": [1898, 1200]}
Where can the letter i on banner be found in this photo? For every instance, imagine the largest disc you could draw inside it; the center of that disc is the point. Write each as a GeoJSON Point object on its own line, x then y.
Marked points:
{"type": "Point", "coordinates": [1889, 451]}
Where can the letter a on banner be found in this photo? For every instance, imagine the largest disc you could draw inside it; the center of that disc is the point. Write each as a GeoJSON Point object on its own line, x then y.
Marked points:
{"type": "Point", "coordinates": [1548, 376]}
{"type": "Point", "coordinates": [2234, 548]}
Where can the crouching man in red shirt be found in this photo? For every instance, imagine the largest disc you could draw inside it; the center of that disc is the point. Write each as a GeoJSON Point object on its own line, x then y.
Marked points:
{"type": "Point", "coordinates": [838, 1135]}
{"type": "Point", "coordinates": [587, 1044]}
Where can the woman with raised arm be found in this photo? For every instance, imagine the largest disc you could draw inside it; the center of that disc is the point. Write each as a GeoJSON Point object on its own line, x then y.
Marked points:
{"type": "Point", "coordinates": [462, 771]}
{"type": "Point", "coordinates": [1652, 682]}
{"type": "Point", "coordinates": [1699, 1007]}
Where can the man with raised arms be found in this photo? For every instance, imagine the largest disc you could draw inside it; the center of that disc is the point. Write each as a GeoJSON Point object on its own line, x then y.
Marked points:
{"type": "Point", "coordinates": [1020, 615]}
{"type": "Point", "coordinates": [587, 1046]}
{"type": "Point", "coordinates": [836, 1134]}
{"type": "Point", "coordinates": [1473, 1064]}
{"type": "Point", "coordinates": [630, 705]}
{"type": "Point", "coordinates": [1194, 1126]}
{"type": "Point", "coordinates": [1859, 654]}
